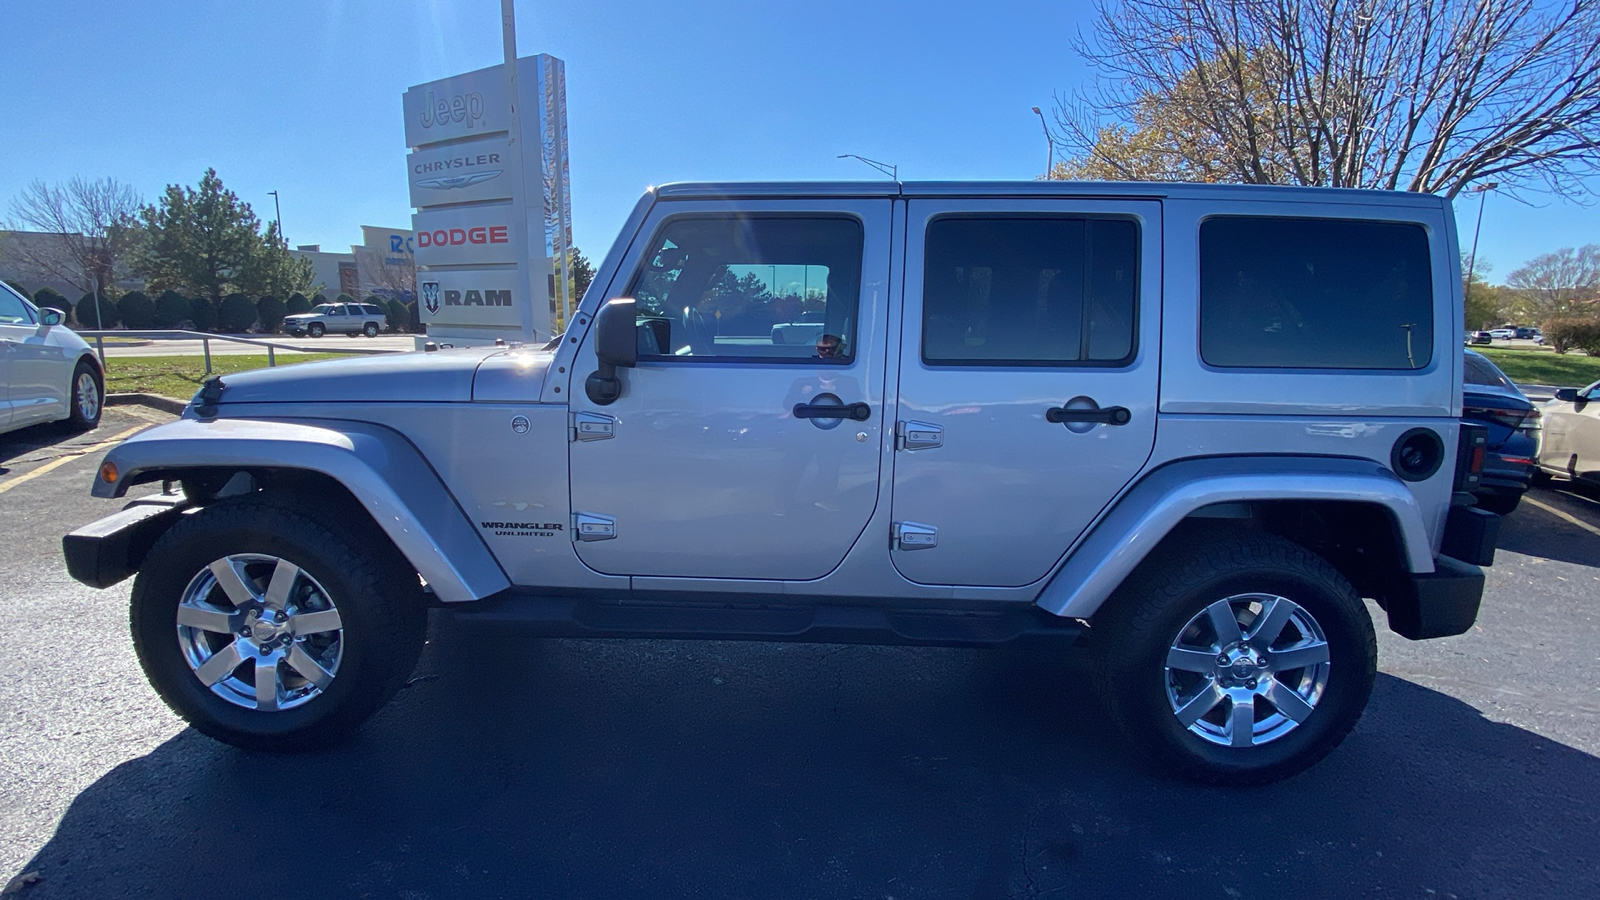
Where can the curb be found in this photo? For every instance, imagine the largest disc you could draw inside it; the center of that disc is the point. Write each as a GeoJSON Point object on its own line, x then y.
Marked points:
{"type": "Point", "coordinates": [154, 401]}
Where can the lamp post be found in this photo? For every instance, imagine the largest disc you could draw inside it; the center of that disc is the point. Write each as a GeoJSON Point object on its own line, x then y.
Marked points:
{"type": "Point", "coordinates": [1050, 144]}
{"type": "Point", "coordinates": [1472, 259]}
{"type": "Point", "coordinates": [892, 171]}
{"type": "Point", "coordinates": [278, 211]}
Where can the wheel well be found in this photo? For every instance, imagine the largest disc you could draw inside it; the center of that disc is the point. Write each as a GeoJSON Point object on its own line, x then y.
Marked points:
{"type": "Point", "coordinates": [1361, 540]}
{"type": "Point", "coordinates": [303, 488]}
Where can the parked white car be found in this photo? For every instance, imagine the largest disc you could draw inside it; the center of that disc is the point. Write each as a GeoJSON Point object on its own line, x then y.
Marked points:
{"type": "Point", "coordinates": [47, 373]}
{"type": "Point", "coordinates": [1502, 334]}
{"type": "Point", "coordinates": [1569, 441]}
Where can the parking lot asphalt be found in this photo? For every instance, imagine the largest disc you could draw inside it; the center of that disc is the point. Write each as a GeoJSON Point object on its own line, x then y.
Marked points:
{"type": "Point", "coordinates": [515, 767]}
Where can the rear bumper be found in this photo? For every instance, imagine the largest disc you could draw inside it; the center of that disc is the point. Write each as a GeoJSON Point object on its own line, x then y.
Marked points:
{"type": "Point", "coordinates": [1442, 603]}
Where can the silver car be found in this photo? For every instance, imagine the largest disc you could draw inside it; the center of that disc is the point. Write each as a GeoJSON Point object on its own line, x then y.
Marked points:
{"type": "Point", "coordinates": [1128, 417]}
{"type": "Point", "coordinates": [337, 318]}
{"type": "Point", "coordinates": [47, 373]}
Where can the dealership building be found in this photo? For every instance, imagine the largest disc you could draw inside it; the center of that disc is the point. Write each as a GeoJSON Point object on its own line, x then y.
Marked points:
{"type": "Point", "coordinates": [383, 264]}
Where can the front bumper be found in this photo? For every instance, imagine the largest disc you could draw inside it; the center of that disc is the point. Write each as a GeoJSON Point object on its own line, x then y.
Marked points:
{"type": "Point", "coordinates": [103, 553]}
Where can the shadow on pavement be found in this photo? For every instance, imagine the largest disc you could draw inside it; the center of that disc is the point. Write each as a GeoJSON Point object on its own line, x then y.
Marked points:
{"type": "Point", "coordinates": [1535, 532]}
{"type": "Point", "coordinates": [665, 769]}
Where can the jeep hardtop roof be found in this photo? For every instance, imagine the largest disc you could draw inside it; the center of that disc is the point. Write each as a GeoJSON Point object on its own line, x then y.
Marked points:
{"type": "Point", "coordinates": [731, 190]}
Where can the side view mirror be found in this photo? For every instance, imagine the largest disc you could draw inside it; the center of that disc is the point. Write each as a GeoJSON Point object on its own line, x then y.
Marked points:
{"type": "Point", "coordinates": [1567, 395]}
{"type": "Point", "coordinates": [49, 316]}
{"type": "Point", "coordinates": [616, 343]}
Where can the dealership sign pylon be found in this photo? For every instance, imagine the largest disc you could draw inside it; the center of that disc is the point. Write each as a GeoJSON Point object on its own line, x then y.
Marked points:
{"type": "Point", "coordinates": [493, 218]}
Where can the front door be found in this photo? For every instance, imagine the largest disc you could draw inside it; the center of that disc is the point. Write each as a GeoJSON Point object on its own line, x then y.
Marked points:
{"type": "Point", "coordinates": [1028, 380]}
{"type": "Point", "coordinates": [746, 443]}
{"type": "Point", "coordinates": [39, 370]}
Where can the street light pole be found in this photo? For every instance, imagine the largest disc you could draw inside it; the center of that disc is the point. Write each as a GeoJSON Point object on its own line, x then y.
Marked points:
{"type": "Point", "coordinates": [1472, 259]}
{"type": "Point", "coordinates": [279, 211]}
{"type": "Point", "coordinates": [1050, 144]}
{"type": "Point", "coordinates": [888, 169]}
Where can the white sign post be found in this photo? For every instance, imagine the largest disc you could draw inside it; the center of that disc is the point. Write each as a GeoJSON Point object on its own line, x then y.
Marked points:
{"type": "Point", "coordinates": [488, 181]}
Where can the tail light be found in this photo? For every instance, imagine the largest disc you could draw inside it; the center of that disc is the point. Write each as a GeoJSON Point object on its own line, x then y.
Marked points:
{"type": "Point", "coordinates": [1472, 444]}
{"type": "Point", "coordinates": [1510, 418]}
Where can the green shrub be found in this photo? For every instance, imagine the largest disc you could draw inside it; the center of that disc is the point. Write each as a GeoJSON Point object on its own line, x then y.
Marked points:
{"type": "Point", "coordinates": [137, 310]}
{"type": "Point", "coordinates": [318, 300]}
{"type": "Point", "coordinates": [297, 304]}
{"type": "Point", "coordinates": [87, 318]}
{"type": "Point", "coordinates": [236, 314]}
{"type": "Point", "coordinates": [17, 286]}
{"type": "Point", "coordinates": [270, 310]}
{"type": "Point", "coordinates": [172, 310]}
{"type": "Point", "coordinates": [344, 298]}
{"type": "Point", "coordinates": [1573, 333]}
{"type": "Point", "coordinates": [203, 313]}
{"type": "Point", "coordinates": [414, 321]}
{"type": "Point", "coordinates": [53, 299]}
{"type": "Point", "coordinates": [398, 315]}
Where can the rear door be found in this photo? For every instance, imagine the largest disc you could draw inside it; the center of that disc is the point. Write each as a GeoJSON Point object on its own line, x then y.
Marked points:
{"type": "Point", "coordinates": [39, 371]}
{"type": "Point", "coordinates": [1028, 380]}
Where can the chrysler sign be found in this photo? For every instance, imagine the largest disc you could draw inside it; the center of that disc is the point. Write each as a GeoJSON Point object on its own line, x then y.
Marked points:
{"type": "Point", "coordinates": [465, 236]}
{"type": "Point", "coordinates": [460, 173]}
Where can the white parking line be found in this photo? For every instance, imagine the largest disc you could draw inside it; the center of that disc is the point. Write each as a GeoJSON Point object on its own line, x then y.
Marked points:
{"type": "Point", "coordinates": [1525, 499]}
{"type": "Point", "coordinates": [56, 464]}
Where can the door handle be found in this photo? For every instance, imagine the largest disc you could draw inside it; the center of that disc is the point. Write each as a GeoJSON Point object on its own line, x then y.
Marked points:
{"type": "Point", "coordinates": [859, 412]}
{"type": "Point", "coordinates": [1111, 415]}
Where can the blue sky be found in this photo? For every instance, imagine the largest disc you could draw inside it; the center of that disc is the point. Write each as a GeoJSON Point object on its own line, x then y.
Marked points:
{"type": "Point", "coordinates": [304, 98]}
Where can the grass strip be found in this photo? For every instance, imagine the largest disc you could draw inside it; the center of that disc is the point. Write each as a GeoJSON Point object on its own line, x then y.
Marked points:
{"type": "Point", "coordinates": [180, 376]}
{"type": "Point", "coordinates": [1544, 366]}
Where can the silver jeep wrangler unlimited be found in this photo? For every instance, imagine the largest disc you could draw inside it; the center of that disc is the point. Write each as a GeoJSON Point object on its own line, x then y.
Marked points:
{"type": "Point", "coordinates": [1187, 427]}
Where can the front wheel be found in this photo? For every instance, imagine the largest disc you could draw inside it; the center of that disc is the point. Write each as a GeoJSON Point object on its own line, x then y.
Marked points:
{"type": "Point", "coordinates": [1242, 659]}
{"type": "Point", "coordinates": [370, 329]}
{"type": "Point", "coordinates": [266, 628]}
{"type": "Point", "coordinates": [316, 329]}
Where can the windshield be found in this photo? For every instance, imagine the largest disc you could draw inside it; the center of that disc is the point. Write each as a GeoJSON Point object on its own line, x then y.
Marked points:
{"type": "Point", "coordinates": [323, 310]}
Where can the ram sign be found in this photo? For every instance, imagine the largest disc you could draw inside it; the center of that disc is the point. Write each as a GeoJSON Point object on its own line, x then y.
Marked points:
{"type": "Point", "coordinates": [478, 298]}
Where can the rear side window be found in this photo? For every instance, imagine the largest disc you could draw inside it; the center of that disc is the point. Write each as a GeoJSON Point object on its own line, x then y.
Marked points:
{"type": "Point", "coordinates": [1029, 292]}
{"type": "Point", "coordinates": [1481, 371]}
{"type": "Point", "coordinates": [1315, 294]}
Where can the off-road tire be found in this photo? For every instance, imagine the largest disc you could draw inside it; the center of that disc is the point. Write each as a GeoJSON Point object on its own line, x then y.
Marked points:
{"type": "Point", "coordinates": [1134, 631]}
{"type": "Point", "coordinates": [76, 420]}
{"type": "Point", "coordinates": [376, 593]}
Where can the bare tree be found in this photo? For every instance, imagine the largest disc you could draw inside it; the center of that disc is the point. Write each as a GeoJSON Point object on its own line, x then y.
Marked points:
{"type": "Point", "coordinates": [1563, 283]}
{"type": "Point", "coordinates": [97, 224]}
{"type": "Point", "coordinates": [1419, 95]}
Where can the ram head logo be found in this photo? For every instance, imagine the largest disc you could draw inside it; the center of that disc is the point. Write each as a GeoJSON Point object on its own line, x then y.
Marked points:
{"type": "Point", "coordinates": [430, 295]}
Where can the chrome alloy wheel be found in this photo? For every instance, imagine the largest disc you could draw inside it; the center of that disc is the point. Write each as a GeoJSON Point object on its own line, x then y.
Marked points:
{"type": "Point", "coordinates": [88, 397]}
{"type": "Point", "coordinates": [1247, 670]}
{"type": "Point", "coordinates": [260, 632]}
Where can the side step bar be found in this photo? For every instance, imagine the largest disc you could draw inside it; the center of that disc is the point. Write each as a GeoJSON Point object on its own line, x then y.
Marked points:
{"type": "Point", "coordinates": [583, 618]}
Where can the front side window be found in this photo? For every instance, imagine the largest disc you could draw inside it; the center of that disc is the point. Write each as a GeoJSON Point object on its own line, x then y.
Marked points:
{"type": "Point", "coordinates": [12, 310]}
{"type": "Point", "coordinates": [1035, 291]}
{"type": "Point", "coordinates": [750, 287]}
{"type": "Point", "coordinates": [1315, 294]}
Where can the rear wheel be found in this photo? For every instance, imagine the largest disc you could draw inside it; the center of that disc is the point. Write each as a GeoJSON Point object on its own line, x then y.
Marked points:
{"type": "Point", "coordinates": [266, 628]}
{"type": "Point", "coordinates": [88, 396]}
{"type": "Point", "coordinates": [1243, 659]}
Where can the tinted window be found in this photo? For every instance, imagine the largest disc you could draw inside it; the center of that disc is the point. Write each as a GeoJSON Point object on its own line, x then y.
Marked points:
{"type": "Point", "coordinates": [750, 287]}
{"type": "Point", "coordinates": [372, 310]}
{"type": "Point", "coordinates": [1481, 371]}
{"type": "Point", "coordinates": [1038, 291]}
{"type": "Point", "coordinates": [12, 310]}
{"type": "Point", "coordinates": [1315, 293]}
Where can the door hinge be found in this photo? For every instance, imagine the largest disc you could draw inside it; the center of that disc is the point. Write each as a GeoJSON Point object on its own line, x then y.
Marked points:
{"type": "Point", "coordinates": [590, 527]}
{"type": "Point", "coordinates": [587, 426]}
{"type": "Point", "coordinates": [918, 435]}
{"type": "Point", "coordinates": [915, 536]}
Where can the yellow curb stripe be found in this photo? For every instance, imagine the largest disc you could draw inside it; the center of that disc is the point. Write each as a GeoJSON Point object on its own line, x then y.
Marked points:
{"type": "Point", "coordinates": [58, 463]}
{"type": "Point", "coordinates": [1525, 499]}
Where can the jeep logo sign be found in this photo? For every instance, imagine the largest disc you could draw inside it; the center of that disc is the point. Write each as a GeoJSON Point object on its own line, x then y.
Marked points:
{"type": "Point", "coordinates": [460, 108]}
{"type": "Point", "coordinates": [466, 105]}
